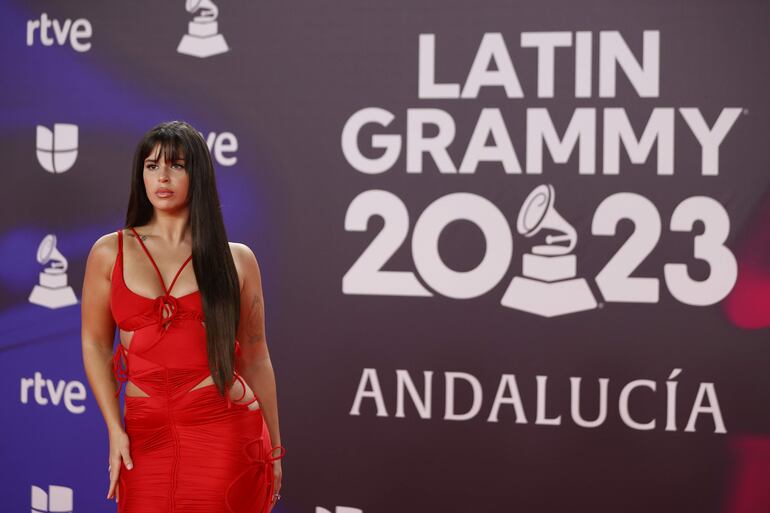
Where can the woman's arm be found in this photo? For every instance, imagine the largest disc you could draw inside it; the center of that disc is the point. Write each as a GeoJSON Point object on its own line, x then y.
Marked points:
{"type": "Point", "coordinates": [97, 334]}
{"type": "Point", "coordinates": [255, 366]}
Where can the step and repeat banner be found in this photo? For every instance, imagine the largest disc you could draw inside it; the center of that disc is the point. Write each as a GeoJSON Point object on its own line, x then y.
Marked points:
{"type": "Point", "coordinates": [515, 255]}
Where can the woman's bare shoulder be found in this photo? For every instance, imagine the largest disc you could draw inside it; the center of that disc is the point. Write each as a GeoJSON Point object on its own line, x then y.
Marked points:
{"type": "Point", "coordinates": [104, 251]}
{"type": "Point", "coordinates": [240, 250]}
{"type": "Point", "coordinates": [245, 261]}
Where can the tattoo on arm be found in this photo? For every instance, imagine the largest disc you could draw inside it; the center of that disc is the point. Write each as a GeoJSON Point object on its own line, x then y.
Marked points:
{"type": "Point", "coordinates": [254, 324]}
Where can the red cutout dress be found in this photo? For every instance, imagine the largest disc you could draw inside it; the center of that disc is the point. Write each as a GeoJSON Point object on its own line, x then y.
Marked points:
{"type": "Point", "coordinates": [193, 450]}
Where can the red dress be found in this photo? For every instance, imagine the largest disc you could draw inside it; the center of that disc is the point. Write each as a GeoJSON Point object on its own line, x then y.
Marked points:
{"type": "Point", "coordinates": [193, 450]}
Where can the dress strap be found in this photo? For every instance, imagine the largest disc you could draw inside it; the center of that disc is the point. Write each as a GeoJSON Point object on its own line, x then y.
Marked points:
{"type": "Point", "coordinates": [119, 256]}
{"type": "Point", "coordinates": [237, 377]}
{"type": "Point", "coordinates": [178, 272]}
{"type": "Point", "coordinates": [280, 454]}
{"type": "Point", "coordinates": [230, 403]}
{"type": "Point", "coordinates": [152, 260]}
{"type": "Point", "coordinates": [120, 372]}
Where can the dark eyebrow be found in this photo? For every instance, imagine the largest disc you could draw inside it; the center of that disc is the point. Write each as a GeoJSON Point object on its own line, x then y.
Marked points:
{"type": "Point", "coordinates": [156, 160]}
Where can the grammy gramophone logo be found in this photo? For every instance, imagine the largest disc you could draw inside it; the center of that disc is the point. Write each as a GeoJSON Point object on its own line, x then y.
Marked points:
{"type": "Point", "coordinates": [52, 290]}
{"type": "Point", "coordinates": [203, 38]}
{"type": "Point", "coordinates": [549, 286]}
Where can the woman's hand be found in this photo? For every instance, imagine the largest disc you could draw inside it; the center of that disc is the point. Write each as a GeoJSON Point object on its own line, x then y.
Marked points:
{"type": "Point", "coordinates": [118, 454]}
{"type": "Point", "coordinates": [277, 475]}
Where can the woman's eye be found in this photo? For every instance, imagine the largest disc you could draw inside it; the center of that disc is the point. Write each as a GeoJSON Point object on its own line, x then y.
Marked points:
{"type": "Point", "coordinates": [151, 166]}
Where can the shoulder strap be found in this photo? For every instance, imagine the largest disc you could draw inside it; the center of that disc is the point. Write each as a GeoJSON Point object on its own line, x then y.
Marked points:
{"type": "Point", "coordinates": [119, 256]}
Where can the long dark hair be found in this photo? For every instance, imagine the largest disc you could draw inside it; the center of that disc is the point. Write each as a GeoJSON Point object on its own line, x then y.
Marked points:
{"type": "Point", "coordinates": [212, 261]}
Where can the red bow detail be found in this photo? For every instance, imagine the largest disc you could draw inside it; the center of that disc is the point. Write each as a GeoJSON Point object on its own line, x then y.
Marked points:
{"type": "Point", "coordinates": [166, 308]}
{"type": "Point", "coordinates": [260, 471]}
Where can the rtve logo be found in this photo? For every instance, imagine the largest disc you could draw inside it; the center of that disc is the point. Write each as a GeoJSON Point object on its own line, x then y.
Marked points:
{"type": "Point", "coordinates": [57, 149]}
{"type": "Point", "coordinates": [222, 147]}
{"type": "Point", "coordinates": [78, 32]}
{"type": "Point", "coordinates": [69, 391]}
{"type": "Point", "coordinates": [57, 499]}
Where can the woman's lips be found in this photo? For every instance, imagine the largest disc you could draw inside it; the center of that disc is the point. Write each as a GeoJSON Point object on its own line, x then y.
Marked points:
{"type": "Point", "coordinates": [164, 193]}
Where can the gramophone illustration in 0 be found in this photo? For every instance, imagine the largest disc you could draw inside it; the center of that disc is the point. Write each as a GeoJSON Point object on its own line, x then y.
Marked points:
{"type": "Point", "coordinates": [549, 286]}
{"type": "Point", "coordinates": [52, 291]}
{"type": "Point", "coordinates": [203, 38]}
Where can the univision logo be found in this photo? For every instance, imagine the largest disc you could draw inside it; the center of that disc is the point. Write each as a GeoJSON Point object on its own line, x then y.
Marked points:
{"type": "Point", "coordinates": [57, 149]}
{"type": "Point", "coordinates": [56, 499]}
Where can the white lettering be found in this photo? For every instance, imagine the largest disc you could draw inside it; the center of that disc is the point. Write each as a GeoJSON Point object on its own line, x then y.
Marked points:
{"type": "Point", "coordinates": [427, 86]}
{"type": "Point", "coordinates": [581, 127]}
{"type": "Point", "coordinates": [369, 376]}
{"type": "Point", "coordinates": [542, 419]}
{"type": "Point", "coordinates": [492, 49]}
{"type": "Point", "coordinates": [546, 44]}
{"type": "Point", "coordinates": [490, 123]}
{"type": "Point", "coordinates": [671, 400]}
{"type": "Point", "coordinates": [710, 139]}
{"type": "Point", "coordinates": [660, 128]}
{"type": "Point", "coordinates": [449, 410]}
{"type": "Point", "coordinates": [77, 32]}
{"type": "Point", "coordinates": [351, 150]}
{"type": "Point", "coordinates": [435, 146]}
{"type": "Point", "coordinates": [423, 404]}
{"type": "Point", "coordinates": [706, 390]}
{"type": "Point", "coordinates": [58, 392]}
{"type": "Point", "coordinates": [613, 50]}
{"type": "Point", "coordinates": [75, 391]}
{"type": "Point", "coordinates": [577, 417]}
{"type": "Point", "coordinates": [625, 415]}
{"type": "Point", "coordinates": [508, 382]}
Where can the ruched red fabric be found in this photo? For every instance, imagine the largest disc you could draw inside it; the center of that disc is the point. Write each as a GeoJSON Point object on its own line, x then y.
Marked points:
{"type": "Point", "coordinates": [193, 450]}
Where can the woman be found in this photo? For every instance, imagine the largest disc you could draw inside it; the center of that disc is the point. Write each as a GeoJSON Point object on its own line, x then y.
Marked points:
{"type": "Point", "coordinates": [197, 437]}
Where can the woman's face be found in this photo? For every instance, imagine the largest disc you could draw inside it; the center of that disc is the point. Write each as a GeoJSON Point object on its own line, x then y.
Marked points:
{"type": "Point", "coordinates": [166, 182]}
